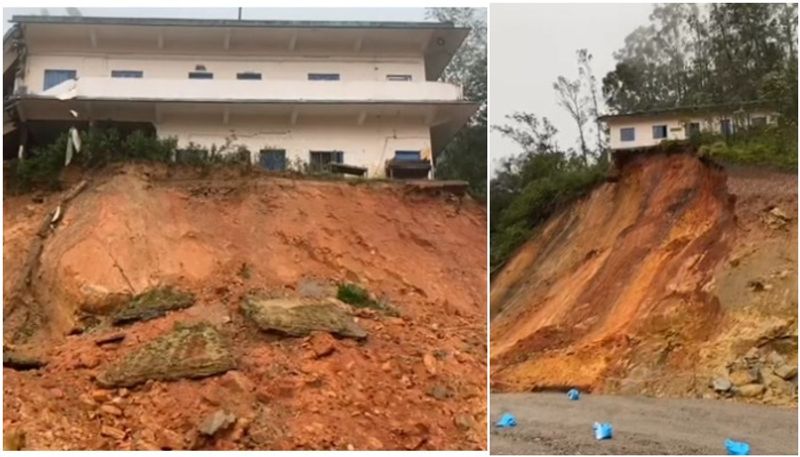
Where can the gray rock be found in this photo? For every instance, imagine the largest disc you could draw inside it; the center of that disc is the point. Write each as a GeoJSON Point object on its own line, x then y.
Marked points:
{"type": "Point", "coordinates": [440, 392]}
{"type": "Point", "coordinates": [216, 421]}
{"type": "Point", "coordinates": [721, 384]}
{"type": "Point", "coordinates": [776, 359]}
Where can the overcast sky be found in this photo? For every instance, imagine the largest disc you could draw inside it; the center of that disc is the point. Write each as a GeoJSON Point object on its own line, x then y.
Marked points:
{"type": "Point", "coordinates": [531, 45]}
{"type": "Point", "coordinates": [322, 14]}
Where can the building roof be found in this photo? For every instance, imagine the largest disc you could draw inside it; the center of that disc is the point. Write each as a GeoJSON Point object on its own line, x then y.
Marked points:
{"type": "Point", "coordinates": [178, 22]}
{"type": "Point", "coordinates": [690, 109]}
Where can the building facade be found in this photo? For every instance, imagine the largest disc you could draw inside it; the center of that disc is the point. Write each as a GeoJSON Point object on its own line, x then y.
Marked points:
{"type": "Point", "coordinates": [362, 94]}
{"type": "Point", "coordinates": [649, 128]}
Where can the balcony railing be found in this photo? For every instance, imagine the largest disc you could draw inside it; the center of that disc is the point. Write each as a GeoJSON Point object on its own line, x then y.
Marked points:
{"type": "Point", "coordinates": [255, 90]}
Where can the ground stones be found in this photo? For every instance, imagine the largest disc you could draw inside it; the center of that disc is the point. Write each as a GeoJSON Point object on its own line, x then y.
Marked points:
{"type": "Point", "coordinates": [301, 316]}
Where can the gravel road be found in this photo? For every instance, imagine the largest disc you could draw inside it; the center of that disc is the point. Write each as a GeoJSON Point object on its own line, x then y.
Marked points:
{"type": "Point", "coordinates": [549, 423]}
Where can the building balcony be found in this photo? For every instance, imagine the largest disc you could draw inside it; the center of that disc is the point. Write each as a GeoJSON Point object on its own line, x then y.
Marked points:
{"type": "Point", "coordinates": [253, 91]}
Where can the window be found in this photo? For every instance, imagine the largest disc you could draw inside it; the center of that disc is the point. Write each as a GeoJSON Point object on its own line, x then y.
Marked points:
{"type": "Point", "coordinates": [56, 77]}
{"type": "Point", "coordinates": [407, 156]}
{"type": "Point", "coordinates": [659, 132]}
{"type": "Point", "coordinates": [725, 127]}
{"type": "Point", "coordinates": [627, 134]}
{"type": "Point", "coordinates": [323, 76]}
{"type": "Point", "coordinates": [758, 121]}
{"type": "Point", "coordinates": [200, 75]}
{"type": "Point", "coordinates": [127, 73]}
{"type": "Point", "coordinates": [321, 160]}
{"type": "Point", "coordinates": [398, 77]}
{"type": "Point", "coordinates": [272, 159]}
{"type": "Point", "coordinates": [248, 75]}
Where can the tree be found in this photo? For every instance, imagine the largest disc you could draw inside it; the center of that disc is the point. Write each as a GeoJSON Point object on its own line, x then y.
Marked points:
{"type": "Point", "coordinates": [570, 98]}
{"type": "Point", "coordinates": [465, 156]}
{"type": "Point", "coordinates": [590, 82]}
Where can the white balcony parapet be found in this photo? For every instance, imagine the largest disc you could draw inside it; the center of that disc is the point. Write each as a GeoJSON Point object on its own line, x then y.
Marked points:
{"type": "Point", "coordinates": [254, 90]}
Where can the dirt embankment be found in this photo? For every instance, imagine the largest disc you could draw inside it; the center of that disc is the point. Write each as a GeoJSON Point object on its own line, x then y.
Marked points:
{"type": "Point", "coordinates": [677, 275]}
{"type": "Point", "coordinates": [416, 381]}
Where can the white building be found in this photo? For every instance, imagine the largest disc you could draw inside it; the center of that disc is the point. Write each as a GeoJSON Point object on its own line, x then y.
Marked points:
{"type": "Point", "coordinates": [648, 128]}
{"type": "Point", "coordinates": [360, 93]}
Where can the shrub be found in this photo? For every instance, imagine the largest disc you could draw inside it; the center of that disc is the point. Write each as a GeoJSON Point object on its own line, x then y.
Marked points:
{"type": "Point", "coordinates": [357, 296]}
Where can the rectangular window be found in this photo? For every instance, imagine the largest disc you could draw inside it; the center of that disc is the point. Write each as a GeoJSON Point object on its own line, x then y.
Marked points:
{"type": "Point", "coordinates": [398, 77]}
{"type": "Point", "coordinates": [321, 160]}
{"type": "Point", "coordinates": [56, 77]}
{"type": "Point", "coordinates": [725, 127]}
{"type": "Point", "coordinates": [693, 129]}
{"type": "Point", "coordinates": [272, 159]}
{"type": "Point", "coordinates": [407, 156]}
{"type": "Point", "coordinates": [627, 134]}
{"type": "Point", "coordinates": [758, 121]}
{"type": "Point", "coordinates": [659, 132]}
{"type": "Point", "coordinates": [200, 75]}
{"type": "Point", "coordinates": [323, 76]}
{"type": "Point", "coordinates": [127, 73]}
{"type": "Point", "coordinates": [249, 75]}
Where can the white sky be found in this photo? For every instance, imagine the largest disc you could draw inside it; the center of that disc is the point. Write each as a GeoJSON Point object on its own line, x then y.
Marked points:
{"type": "Point", "coordinates": [320, 14]}
{"type": "Point", "coordinates": [531, 45]}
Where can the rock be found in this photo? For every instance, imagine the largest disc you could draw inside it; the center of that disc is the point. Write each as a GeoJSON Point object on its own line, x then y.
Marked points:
{"type": "Point", "coordinates": [236, 382]}
{"type": "Point", "coordinates": [386, 366]}
{"type": "Point", "coordinates": [775, 359]}
{"type": "Point", "coordinates": [721, 384]}
{"type": "Point", "coordinates": [374, 443]}
{"type": "Point", "coordinates": [101, 395]}
{"type": "Point", "coordinates": [750, 390]}
{"type": "Point", "coordinates": [784, 371]}
{"type": "Point", "coordinates": [194, 351]}
{"type": "Point", "coordinates": [152, 304]}
{"type": "Point", "coordinates": [301, 316]}
{"type": "Point", "coordinates": [216, 421]}
{"type": "Point", "coordinates": [430, 363]}
{"type": "Point", "coordinates": [114, 337]}
{"type": "Point", "coordinates": [743, 376]}
{"type": "Point", "coordinates": [87, 360]}
{"type": "Point", "coordinates": [56, 393]}
{"type": "Point", "coordinates": [112, 432]}
{"type": "Point", "coordinates": [440, 392]}
{"type": "Point", "coordinates": [464, 421]}
{"type": "Point", "coordinates": [322, 344]}
{"type": "Point", "coordinates": [18, 360]}
{"type": "Point", "coordinates": [111, 409]}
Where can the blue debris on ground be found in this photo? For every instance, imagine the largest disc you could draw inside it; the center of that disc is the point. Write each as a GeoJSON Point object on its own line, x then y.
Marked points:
{"type": "Point", "coordinates": [737, 447]}
{"type": "Point", "coordinates": [574, 394]}
{"type": "Point", "coordinates": [603, 431]}
{"type": "Point", "coordinates": [507, 420]}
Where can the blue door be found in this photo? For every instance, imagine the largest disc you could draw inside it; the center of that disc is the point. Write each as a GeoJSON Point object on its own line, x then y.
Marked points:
{"type": "Point", "coordinates": [56, 77]}
{"type": "Point", "coordinates": [273, 159]}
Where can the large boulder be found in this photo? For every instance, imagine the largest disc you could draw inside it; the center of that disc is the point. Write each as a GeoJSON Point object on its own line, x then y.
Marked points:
{"type": "Point", "coordinates": [194, 351]}
{"type": "Point", "coordinates": [152, 304]}
{"type": "Point", "coordinates": [301, 316]}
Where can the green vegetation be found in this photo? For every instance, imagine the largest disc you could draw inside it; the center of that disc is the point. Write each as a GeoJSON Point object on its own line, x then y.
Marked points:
{"type": "Point", "coordinates": [359, 297]}
{"type": "Point", "coordinates": [773, 146]}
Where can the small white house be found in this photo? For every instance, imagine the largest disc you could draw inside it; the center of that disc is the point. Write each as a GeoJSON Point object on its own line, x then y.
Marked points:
{"type": "Point", "coordinates": [648, 128]}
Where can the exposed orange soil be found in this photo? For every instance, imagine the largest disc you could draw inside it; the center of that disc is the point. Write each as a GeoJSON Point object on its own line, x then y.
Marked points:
{"type": "Point", "coordinates": [644, 286]}
{"type": "Point", "coordinates": [418, 381]}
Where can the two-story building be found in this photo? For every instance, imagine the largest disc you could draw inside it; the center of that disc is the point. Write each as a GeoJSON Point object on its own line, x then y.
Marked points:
{"type": "Point", "coordinates": [364, 94]}
{"type": "Point", "coordinates": [648, 128]}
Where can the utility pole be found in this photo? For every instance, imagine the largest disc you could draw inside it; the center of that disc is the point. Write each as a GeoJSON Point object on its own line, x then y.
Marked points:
{"type": "Point", "coordinates": [240, 13]}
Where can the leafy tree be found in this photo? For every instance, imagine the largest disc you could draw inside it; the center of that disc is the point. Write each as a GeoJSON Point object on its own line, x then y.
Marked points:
{"type": "Point", "coordinates": [465, 156]}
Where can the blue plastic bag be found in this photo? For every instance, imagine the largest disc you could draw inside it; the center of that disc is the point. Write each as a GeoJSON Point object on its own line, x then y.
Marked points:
{"type": "Point", "coordinates": [603, 431]}
{"type": "Point", "coordinates": [737, 447]}
{"type": "Point", "coordinates": [574, 394]}
{"type": "Point", "coordinates": [507, 420]}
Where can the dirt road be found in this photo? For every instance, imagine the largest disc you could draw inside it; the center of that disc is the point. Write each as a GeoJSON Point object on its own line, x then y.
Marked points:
{"type": "Point", "coordinates": [548, 423]}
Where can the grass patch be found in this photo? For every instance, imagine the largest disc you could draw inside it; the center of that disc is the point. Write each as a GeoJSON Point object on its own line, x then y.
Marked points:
{"type": "Point", "coordinates": [357, 296]}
